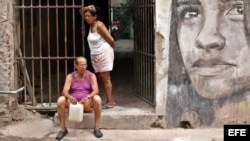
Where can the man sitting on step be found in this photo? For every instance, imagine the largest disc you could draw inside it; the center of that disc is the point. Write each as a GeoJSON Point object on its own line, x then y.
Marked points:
{"type": "Point", "coordinates": [80, 86]}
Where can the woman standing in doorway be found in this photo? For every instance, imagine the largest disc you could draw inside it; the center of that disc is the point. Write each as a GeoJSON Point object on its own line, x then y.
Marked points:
{"type": "Point", "coordinates": [101, 45]}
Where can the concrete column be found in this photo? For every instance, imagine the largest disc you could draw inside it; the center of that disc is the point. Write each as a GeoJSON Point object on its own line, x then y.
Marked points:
{"type": "Point", "coordinates": [162, 24]}
{"type": "Point", "coordinates": [8, 76]}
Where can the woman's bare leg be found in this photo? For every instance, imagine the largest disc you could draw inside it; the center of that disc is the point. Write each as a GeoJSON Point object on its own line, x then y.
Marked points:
{"type": "Point", "coordinates": [105, 77]}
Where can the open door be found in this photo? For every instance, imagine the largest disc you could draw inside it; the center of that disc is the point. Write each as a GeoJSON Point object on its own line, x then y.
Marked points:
{"type": "Point", "coordinates": [144, 50]}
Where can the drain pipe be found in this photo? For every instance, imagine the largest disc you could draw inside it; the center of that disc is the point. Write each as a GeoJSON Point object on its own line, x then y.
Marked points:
{"type": "Point", "coordinates": [12, 92]}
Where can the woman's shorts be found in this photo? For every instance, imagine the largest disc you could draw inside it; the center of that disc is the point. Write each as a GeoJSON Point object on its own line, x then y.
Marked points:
{"type": "Point", "coordinates": [104, 61]}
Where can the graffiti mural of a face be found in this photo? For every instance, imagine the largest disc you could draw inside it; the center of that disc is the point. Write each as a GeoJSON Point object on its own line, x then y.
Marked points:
{"type": "Point", "coordinates": [213, 45]}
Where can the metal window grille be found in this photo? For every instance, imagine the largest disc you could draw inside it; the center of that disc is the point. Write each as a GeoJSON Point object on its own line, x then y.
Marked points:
{"type": "Point", "coordinates": [50, 34]}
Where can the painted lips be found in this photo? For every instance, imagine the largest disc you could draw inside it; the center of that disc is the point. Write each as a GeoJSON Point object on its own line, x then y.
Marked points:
{"type": "Point", "coordinates": [212, 67]}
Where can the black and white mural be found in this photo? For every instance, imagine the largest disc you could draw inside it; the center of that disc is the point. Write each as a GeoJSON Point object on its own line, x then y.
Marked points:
{"type": "Point", "coordinates": [209, 63]}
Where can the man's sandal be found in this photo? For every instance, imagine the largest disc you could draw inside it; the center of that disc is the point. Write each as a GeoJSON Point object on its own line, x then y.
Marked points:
{"type": "Point", "coordinates": [98, 133]}
{"type": "Point", "coordinates": [61, 134]}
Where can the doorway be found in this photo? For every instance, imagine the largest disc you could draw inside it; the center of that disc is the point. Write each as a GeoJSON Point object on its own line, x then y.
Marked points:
{"type": "Point", "coordinates": [50, 38]}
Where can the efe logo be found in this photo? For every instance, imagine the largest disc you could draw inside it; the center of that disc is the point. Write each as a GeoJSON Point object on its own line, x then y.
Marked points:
{"type": "Point", "coordinates": [236, 132]}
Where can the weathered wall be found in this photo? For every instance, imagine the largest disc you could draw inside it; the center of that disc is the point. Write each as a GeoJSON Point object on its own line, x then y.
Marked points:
{"type": "Point", "coordinates": [7, 63]}
{"type": "Point", "coordinates": [162, 21]}
{"type": "Point", "coordinates": [7, 46]}
{"type": "Point", "coordinates": [204, 66]}
{"type": "Point", "coordinates": [117, 3]}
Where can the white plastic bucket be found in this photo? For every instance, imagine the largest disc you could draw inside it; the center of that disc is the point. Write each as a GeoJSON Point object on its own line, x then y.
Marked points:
{"type": "Point", "coordinates": [76, 112]}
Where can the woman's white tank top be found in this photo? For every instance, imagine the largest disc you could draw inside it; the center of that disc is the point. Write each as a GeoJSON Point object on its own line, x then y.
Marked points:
{"type": "Point", "coordinates": [97, 43]}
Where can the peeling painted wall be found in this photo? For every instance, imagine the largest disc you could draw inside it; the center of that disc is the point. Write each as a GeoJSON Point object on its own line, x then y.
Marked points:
{"type": "Point", "coordinates": [6, 46]}
{"type": "Point", "coordinates": [8, 79]}
{"type": "Point", "coordinates": [202, 62]}
{"type": "Point", "coordinates": [162, 21]}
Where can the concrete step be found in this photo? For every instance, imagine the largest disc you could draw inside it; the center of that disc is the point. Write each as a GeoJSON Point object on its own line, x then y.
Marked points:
{"type": "Point", "coordinates": [118, 118]}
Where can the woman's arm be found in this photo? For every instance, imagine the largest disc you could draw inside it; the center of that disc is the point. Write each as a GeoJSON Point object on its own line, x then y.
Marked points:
{"type": "Point", "coordinates": [86, 8]}
{"type": "Point", "coordinates": [101, 29]}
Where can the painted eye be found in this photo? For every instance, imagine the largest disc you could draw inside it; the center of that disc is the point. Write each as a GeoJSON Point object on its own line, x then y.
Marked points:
{"type": "Point", "coordinates": [189, 12]}
{"type": "Point", "coordinates": [236, 10]}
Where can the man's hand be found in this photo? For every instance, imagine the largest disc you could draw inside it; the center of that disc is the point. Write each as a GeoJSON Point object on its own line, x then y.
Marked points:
{"type": "Point", "coordinates": [85, 99]}
{"type": "Point", "coordinates": [72, 99]}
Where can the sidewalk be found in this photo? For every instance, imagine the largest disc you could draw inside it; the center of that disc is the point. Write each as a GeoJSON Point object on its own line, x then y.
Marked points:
{"type": "Point", "coordinates": [44, 130]}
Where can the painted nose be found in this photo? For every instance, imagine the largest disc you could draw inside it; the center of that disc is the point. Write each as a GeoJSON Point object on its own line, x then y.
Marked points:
{"type": "Point", "coordinates": [210, 36]}
{"type": "Point", "coordinates": [210, 40]}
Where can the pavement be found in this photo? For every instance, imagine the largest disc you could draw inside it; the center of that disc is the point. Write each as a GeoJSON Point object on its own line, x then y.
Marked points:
{"type": "Point", "coordinates": [44, 130]}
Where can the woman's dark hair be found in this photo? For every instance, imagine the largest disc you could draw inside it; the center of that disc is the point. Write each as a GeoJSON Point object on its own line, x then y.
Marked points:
{"type": "Point", "coordinates": [96, 13]}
